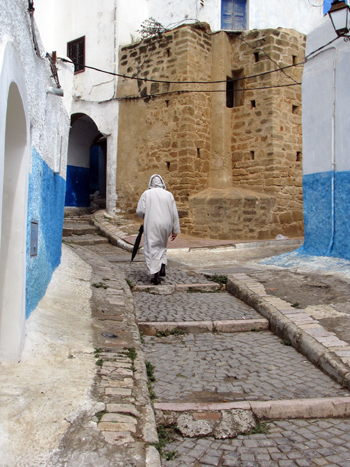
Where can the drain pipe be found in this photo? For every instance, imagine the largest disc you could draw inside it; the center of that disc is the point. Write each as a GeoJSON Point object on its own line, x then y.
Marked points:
{"type": "Point", "coordinates": [331, 243]}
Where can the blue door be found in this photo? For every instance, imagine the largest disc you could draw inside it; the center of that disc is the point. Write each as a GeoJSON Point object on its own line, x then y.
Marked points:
{"type": "Point", "coordinates": [233, 14]}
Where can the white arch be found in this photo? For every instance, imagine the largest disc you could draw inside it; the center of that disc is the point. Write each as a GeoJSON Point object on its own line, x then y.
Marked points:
{"type": "Point", "coordinates": [106, 117]}
{"type": "Point", "coordinates": [14, 165]}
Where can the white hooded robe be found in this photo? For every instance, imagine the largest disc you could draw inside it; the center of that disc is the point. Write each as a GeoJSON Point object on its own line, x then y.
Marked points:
{"type": "Point", "coordinates": [158, 209]}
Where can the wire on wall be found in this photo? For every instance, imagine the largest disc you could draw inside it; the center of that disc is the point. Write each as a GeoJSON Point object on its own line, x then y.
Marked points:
{"type": "Point", "coordinates": [31, 10]}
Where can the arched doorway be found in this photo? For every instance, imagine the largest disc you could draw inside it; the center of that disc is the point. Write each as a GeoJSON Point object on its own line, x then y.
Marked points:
{"type": "Point", "coordinates": [13, 229]}
{"type": "Point", "coordinates": [87, 161]}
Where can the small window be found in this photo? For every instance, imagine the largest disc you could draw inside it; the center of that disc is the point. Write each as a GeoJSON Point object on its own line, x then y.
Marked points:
{"type": "Point", "coordinates": [299, 156]}
{"type": "Point", "coordinates": [256, 57]}
{"type": "Point", "coordinates": [294, 59]}
{"type": "Point", "coordinates": [294, 109]}
{"type": "Point", "coordinates": [234, 15]}
{"type": "Point", "coordinates": [76, 52]}
{"type": "Point", "coordinates": [252, 155]}
{"type": "Point", "coordinates": [234, 92]}
{"type": "Point", "coordinates": [253, 103]}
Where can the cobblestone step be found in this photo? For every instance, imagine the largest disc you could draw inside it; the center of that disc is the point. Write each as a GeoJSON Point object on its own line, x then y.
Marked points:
{"type": "Point", "coordinates": [233, 367]}
{"type": "Point", "coordinates": [184, 307]}
{"type": "Point", "coordinates": [78, 229]}
{"type": "Point", "coordinates": [137, 274]}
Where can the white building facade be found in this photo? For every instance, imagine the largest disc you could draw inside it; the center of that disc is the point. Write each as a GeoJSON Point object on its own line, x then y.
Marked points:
{"type": "Point", "coordinates": [34, 126]}
{"type": "Point", "coordinates": [99, 29]}
{"type": "Point", "coordinates": [326, 130]}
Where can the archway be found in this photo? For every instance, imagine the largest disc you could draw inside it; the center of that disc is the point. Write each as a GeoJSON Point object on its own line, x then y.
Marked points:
{"type": "Point", "coordinates": [13, 229]}
{"type": "Point", "coordinates": [86, 168]}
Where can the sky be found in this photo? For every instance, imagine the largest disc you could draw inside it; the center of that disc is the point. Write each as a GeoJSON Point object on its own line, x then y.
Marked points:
{"type": "Point", "coordinates": [326, 6]}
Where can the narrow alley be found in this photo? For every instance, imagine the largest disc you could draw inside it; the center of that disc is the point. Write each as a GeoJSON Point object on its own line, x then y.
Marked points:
{"type": "Point", "coordinates": [226, 390]}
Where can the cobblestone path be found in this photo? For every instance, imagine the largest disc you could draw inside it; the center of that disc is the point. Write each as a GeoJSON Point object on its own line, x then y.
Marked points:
{"type": "Point", "coordinates": [240, 366]}
{"type": "Point", "coordinates": [289, 443]}
{"type": "Point", "coordinates": [137, 274]}
{"type": "Point", "coordinates": [184, 306]}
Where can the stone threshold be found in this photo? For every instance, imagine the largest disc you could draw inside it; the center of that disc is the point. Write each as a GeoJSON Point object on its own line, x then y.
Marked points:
{"type": "Point", "coordinates": [329, 407]}
{"type": "Point", "coordinates": [305, 333]}
{"type": "Point", "coordinates": [196, 327]}
{"type": "Point", "coordinates": [172, 288]}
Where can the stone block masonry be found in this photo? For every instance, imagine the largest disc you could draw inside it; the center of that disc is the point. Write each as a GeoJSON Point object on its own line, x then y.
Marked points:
{"type": "Point", "coordinates": [230, 153]}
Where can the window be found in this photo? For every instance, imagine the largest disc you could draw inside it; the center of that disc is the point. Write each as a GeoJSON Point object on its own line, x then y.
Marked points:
{"type": "Point", "coordinates": [76, 52]}
{"type": "Point", "coordinates": [234, 92]}
{"type": "Point", "coordinates": [233, 15]}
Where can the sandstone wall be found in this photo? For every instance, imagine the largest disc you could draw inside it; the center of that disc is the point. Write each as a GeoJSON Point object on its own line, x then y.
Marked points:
{"type": "Point", "coordinates": [168, 134]}
{"type": "Point", "coordinates": [266, 141]}
{"type": "Point", "coordinates": [197, 143]}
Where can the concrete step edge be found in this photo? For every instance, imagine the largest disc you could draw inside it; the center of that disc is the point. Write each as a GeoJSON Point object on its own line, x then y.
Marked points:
{"type": "Point", "coordinates": [239, 325]}
{"type": "Point", "coordinates": [330, 407]}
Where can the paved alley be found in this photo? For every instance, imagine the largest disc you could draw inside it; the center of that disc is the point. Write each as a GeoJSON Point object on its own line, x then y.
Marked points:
{"type": "Point", "coordinates": [205, 373]}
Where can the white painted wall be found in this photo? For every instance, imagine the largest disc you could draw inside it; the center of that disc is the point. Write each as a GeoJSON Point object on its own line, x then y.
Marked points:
{"type": "Point", "coordinates": [326, 89]}
{"type": "Point", "coordinates": [29, 118]}
{"type": "Point", "coordinates": [42, 107]}
{"type": "Point", "coordinates": [291, 14]}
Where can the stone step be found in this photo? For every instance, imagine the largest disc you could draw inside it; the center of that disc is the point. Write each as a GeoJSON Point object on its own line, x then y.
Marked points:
{"type": "Point", "coordinates": [78, 229]}
{"type": "Point", "coordinates": [83, 240]}
{"type": "Point", "coordinates": [177, 327]}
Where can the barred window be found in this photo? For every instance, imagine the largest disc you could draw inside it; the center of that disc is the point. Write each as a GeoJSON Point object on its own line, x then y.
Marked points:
{"type": "Point", "coordinates": [76, 52]}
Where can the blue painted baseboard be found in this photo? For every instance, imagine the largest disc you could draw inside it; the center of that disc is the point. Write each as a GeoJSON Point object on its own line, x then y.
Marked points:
{"type": "Point", "coordinates": [317, 189]}
{"type": "Point", "coordinates": [46, 193]}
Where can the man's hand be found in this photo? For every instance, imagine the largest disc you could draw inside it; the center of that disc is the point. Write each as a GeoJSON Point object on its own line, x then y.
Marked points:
{"type": "Point", "coordinates": [173, 236]}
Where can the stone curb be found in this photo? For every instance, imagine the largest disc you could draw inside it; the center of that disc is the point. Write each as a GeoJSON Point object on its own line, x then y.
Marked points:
{"type": "Point", "coordinates": [330, 407]}
{"type": "Point", "coordinates": [128, 392]}
{"type": "Point", "coordinates": [281, 325]}
{"type": "Point", "coordinates": [239, 325]}
{"type": "Point", "coordinates": [108, 230]}
{"type": "Point", "coordinates": [102, 221]}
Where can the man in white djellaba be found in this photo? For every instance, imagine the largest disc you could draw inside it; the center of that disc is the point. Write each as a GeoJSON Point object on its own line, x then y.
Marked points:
{"type": "Point", "coordinates": [161, 220]}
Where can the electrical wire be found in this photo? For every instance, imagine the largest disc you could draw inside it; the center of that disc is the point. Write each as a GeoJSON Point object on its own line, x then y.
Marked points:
{"type": "Point", "coordinates": [268, 56]}
{"type": "Point", "coordinates": [210, 82]}
{"type": "Point", "coordinates": [183, 82]}
{"type": "Point", "coordinates": [183, 91]}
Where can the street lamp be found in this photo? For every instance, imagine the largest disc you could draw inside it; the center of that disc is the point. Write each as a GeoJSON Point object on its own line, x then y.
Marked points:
{"type": "Point", "coordinates": [339, 14]}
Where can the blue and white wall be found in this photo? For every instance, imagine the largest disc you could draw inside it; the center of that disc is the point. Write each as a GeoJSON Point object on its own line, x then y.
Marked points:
{"type": "Point", "coordinates": [34, 128]}
{"type": "Point", "coordinates": [326, 145]}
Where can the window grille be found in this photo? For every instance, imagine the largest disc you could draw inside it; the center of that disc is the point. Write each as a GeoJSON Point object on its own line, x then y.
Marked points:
{"type": "Point", "coordinates": [76, 52]}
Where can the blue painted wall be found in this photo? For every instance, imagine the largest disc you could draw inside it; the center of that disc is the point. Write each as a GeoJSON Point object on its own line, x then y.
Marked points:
{"type": "Point", "coordinates": [317, 189]}
{"type": "Point", "coordinates": [78, 186]}
{"type": "Point", "coordinates": [97, 169]}
{"type": "Point", "coordinates": [46, 194]}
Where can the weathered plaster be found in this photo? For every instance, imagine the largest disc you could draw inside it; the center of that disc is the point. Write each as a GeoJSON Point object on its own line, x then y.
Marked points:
{"type": "Point", "coordinates": [30, 118]}
{"type": "Point", "coordinates": [45, 206]}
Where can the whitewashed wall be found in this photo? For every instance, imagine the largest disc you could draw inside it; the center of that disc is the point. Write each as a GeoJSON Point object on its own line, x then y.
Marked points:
{"type": "Point", "coordinates": [293, 14]}
{"type": "Point", "coordinates": [34, 127]}
{"type": "Point", "coordinates": [326, 130]}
